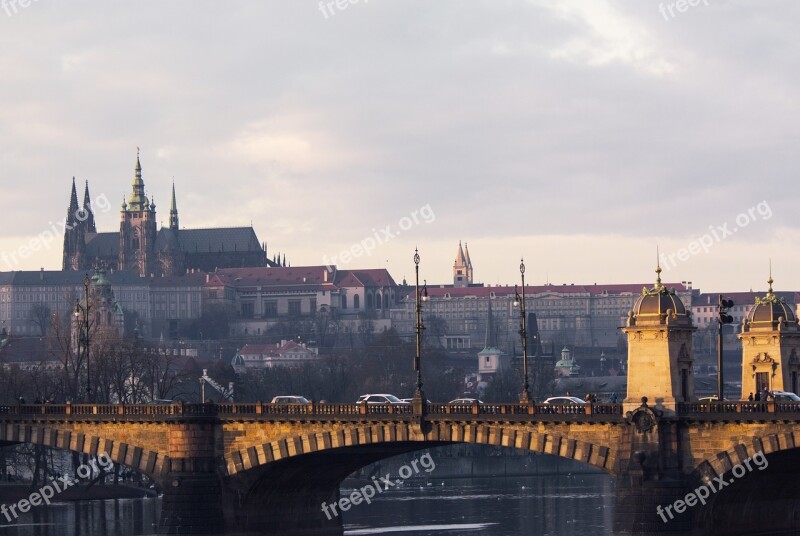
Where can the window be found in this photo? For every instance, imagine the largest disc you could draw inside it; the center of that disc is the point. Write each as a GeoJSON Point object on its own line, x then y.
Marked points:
{"type": "Point", "coordinates": [294, 307]}
{"type": "Point", "coordinates": [356, 301]}
{"type": "Point", "coordinates": [247, 310]}
{"type": "Point", "coordinates": [270, 308]}
{"type": "Point", "coordinates": [313, 306]}
{"type": "Point", "coordinates": [386, 301]}
{"type": "Point", "coordinates": [344, 302]}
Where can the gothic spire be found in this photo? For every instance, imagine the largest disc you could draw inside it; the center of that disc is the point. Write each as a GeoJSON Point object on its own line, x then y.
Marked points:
{"type": "Point", "coordinates": [467, 261]}
{"type": "Point", "coordinates": [173, 211]}
{"type": "Point", "coordinates": [138, 200]}
{"type": "Point", "coordinates": [87, 208]}
{"type": "Point", "coordinates": [73, 203]}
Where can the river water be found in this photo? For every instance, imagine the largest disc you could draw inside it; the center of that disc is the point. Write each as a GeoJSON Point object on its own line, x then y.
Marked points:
{"type": "Point", "coordinates": [560, 505]}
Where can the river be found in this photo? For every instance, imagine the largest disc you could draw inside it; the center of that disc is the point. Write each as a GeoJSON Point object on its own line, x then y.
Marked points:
{"type": "Point", "coordinates": [558, 505]}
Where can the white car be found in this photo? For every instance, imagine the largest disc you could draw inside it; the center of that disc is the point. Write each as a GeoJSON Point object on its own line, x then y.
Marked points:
{"type": "Point", "coordinates": [785, 396]}
{"type": "Point", "coordinates": [381, 399]}
{"type": "Point", "coordinates": [564, 400]}
{"type": "Point", "coordinates": [290, 399]}
{"type": "Point", "coordinates": [465, 401]}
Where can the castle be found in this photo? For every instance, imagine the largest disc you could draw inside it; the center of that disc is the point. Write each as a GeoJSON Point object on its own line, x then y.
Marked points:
{"type": "Point", "coordinates": [141, 248]}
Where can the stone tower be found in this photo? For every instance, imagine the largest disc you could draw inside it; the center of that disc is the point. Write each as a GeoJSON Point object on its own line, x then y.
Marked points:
{"type": "Point", "coordinates": [79, 221]}
{"type": "Point", "coordinates": [462, 268]}
{"type": "Point", "coordinates": [137, 232]}
{"type": "Point", "coordinates": [770, 346]}
{"type": "Point", "coordinates": [659, 331]}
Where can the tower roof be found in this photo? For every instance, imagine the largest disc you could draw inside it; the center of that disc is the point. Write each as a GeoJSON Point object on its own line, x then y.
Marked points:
{"type": "Point", "coordinates": [138, 200]}
{"type": "Point", "coordinates": [771, 312]}
{"type": "Point", "coordinates": [460, 259]}
{"type": "Point", "coordinates": [468, 261]}
{"type": "Point", "coordinates": [654, 304]}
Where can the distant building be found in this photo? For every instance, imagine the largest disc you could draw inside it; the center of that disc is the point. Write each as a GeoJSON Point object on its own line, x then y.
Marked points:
{"type": "Point", "coordinates": [267, 356]}
{"type": "Point", "coordinates": [566, 366]}
{"type": "Point", "coordinates": [574, 315]}
{"type": "Point", "coordinates": [141, 248]}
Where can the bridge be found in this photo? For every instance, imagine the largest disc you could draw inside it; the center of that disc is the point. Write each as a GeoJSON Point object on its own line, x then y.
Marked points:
{"type": "Point", "coordinates": [267, 468]}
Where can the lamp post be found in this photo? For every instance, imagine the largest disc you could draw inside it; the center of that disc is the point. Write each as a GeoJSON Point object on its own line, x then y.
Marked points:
{"type": "Point", "coordinates": [83, 332]}
{"type": "Point", "coordinates": [519, 301]}
{"type": "Point", "coordinates": [421, 296]}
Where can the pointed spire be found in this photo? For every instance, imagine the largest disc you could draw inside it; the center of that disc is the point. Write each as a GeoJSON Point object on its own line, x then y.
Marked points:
{"type": "Point", "coordinates": [173, 211]}
{"type": "Point", "coordinates": [73, 200]}
{"type": "Point", "coordinates": [468, 261]}
{"type": "Point", "coordinates": [138, 199]}
{"type": "Point", "coordinates": [460, 260]}
{"type": "Point", "coordinates": [87, 207]}
{"type": "Point", "coordinates": [284, 260]}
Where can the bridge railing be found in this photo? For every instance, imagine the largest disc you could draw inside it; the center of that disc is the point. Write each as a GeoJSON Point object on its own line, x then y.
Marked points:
{"type": "Point", "coordinates": [312, 409]}
{"type": "Point", "coordinates": [742, 407]}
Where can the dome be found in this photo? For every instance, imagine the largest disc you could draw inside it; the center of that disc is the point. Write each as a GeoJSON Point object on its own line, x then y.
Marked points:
{"type": "Point", "coordinates": [769, 310]}
{"type": "Point", "coordinates": [654, 303]}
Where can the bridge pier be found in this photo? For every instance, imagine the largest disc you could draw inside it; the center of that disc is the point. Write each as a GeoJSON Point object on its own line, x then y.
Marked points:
{"type": "Point", "coordinates": [192, 502]}
{"type": "Point", "coordinates": [649, 476]}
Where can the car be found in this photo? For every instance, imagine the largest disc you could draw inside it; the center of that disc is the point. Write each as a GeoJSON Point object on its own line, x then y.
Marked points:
{"type": "Point", "coordinates": [410, 400]}
{"type": "Point", "coordinates": [712, 398]}
{"type": "Point", "coordinates": [466, 401]}
{"type": "Point", "coordinates": [290, 399]}
{"type": "Point", "coordinates": [785, 396]}
{"type": "Point", "coordinates": [161, 401]}
{"type": "Point", "coordinates": [381, 399]}
{"type": "Point", "coordinates": [564, 400]}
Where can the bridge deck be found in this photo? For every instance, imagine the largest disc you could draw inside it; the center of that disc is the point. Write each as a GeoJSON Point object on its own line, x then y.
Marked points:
{"type": "Point", "coordinates": [734, 411]}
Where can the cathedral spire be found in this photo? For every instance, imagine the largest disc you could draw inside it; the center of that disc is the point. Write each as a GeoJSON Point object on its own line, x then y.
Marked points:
{"type": "Point", "coordinates": [173, 211]}
{"type": "Point", "coordinates": [87, 208]}
{"type": "Point", "coordinates": [73, 203]}
{"type": "Point", "coordinates": [138, 200]}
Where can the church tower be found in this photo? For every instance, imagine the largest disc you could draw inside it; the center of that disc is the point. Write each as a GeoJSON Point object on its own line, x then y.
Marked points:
{"type": "Point", "coordinates": [137, 232]}
{"type": "Point", "coordinates": [660, 364]}
{"type": "Point", "coordinates": [770, 346]}
{"type": "Point", "coordinates": [74, 256]}
{"type": "Point", "coordinates": [462, 269]}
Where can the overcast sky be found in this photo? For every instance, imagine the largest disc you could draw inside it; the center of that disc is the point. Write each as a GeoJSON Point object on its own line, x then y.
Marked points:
{"type": "Point", "coordinates": [578, 133]}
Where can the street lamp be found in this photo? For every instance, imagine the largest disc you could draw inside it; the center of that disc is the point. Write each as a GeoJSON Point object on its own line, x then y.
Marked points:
{"type": "Point", "coordinates": [519, 301]}
{"type": "Point", "coordinates": [83, 332]}
{"type": "Point", "coordinates": [421, 296]}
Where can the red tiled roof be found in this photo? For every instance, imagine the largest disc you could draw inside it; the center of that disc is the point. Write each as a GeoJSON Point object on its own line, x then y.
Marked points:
{"type": "Point", "coordinates": [303, 276]}
{"type": "Point", "coordinates": [373, 277]}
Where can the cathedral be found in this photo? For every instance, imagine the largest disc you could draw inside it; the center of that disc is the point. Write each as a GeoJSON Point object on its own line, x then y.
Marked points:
{"type": "Point", "coordinates": [142, 248]}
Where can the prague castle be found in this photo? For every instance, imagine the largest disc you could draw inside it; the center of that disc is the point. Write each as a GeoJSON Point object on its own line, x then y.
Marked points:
{"type": "Point", "coordinates": [140, 247]}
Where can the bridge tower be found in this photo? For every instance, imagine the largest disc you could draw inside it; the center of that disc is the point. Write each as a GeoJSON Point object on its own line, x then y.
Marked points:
{"type": "Point", "coordinates": [659, 331]}
{"type": "Point", "coordinates": [770, 346]}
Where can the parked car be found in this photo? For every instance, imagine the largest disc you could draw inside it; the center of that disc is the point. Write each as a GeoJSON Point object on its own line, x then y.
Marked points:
{"type": "Point", "coordinates": [290, 399]}
{"type": "Point", "coordinates": [465, 401]}
{"type": "Point", "coordinates": [410, 400]}
{"type": "Point", "coordinates": [785, 396]}
{"type": "Point", "coordinates": [161, 401]}
{"type": "Point", "coordinates": [564, 400]}
{"type": "Point", "coordinates": [712, 398]}
{"type": "Point", "coordinates": [381, 399]}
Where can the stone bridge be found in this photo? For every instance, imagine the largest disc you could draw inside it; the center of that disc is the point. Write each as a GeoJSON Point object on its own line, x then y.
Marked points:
{"type": "Point", "coordinates": [267, 468]}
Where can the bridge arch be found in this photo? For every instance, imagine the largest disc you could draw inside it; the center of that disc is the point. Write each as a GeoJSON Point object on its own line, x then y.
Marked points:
{"type": "Point", "coordinates": [740, 498]}
{"type": "Point", "coordinates": [140, 459]}
{"type": "Point", "coordinates": [406, 436]}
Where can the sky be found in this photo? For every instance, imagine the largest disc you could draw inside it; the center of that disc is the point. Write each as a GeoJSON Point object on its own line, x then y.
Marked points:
{"type": "Point", "coordinates": [581, 135]}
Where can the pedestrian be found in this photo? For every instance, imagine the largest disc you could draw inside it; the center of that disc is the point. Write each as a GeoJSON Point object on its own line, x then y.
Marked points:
{"type": "Point", "coordinates": [613, 398]}
{"type": "Point", "coordinates": [588, 398]}
{"type": "Point", "coordinates": [758, 396]}
{"type": "Point", "coordinates": [750, 397]}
